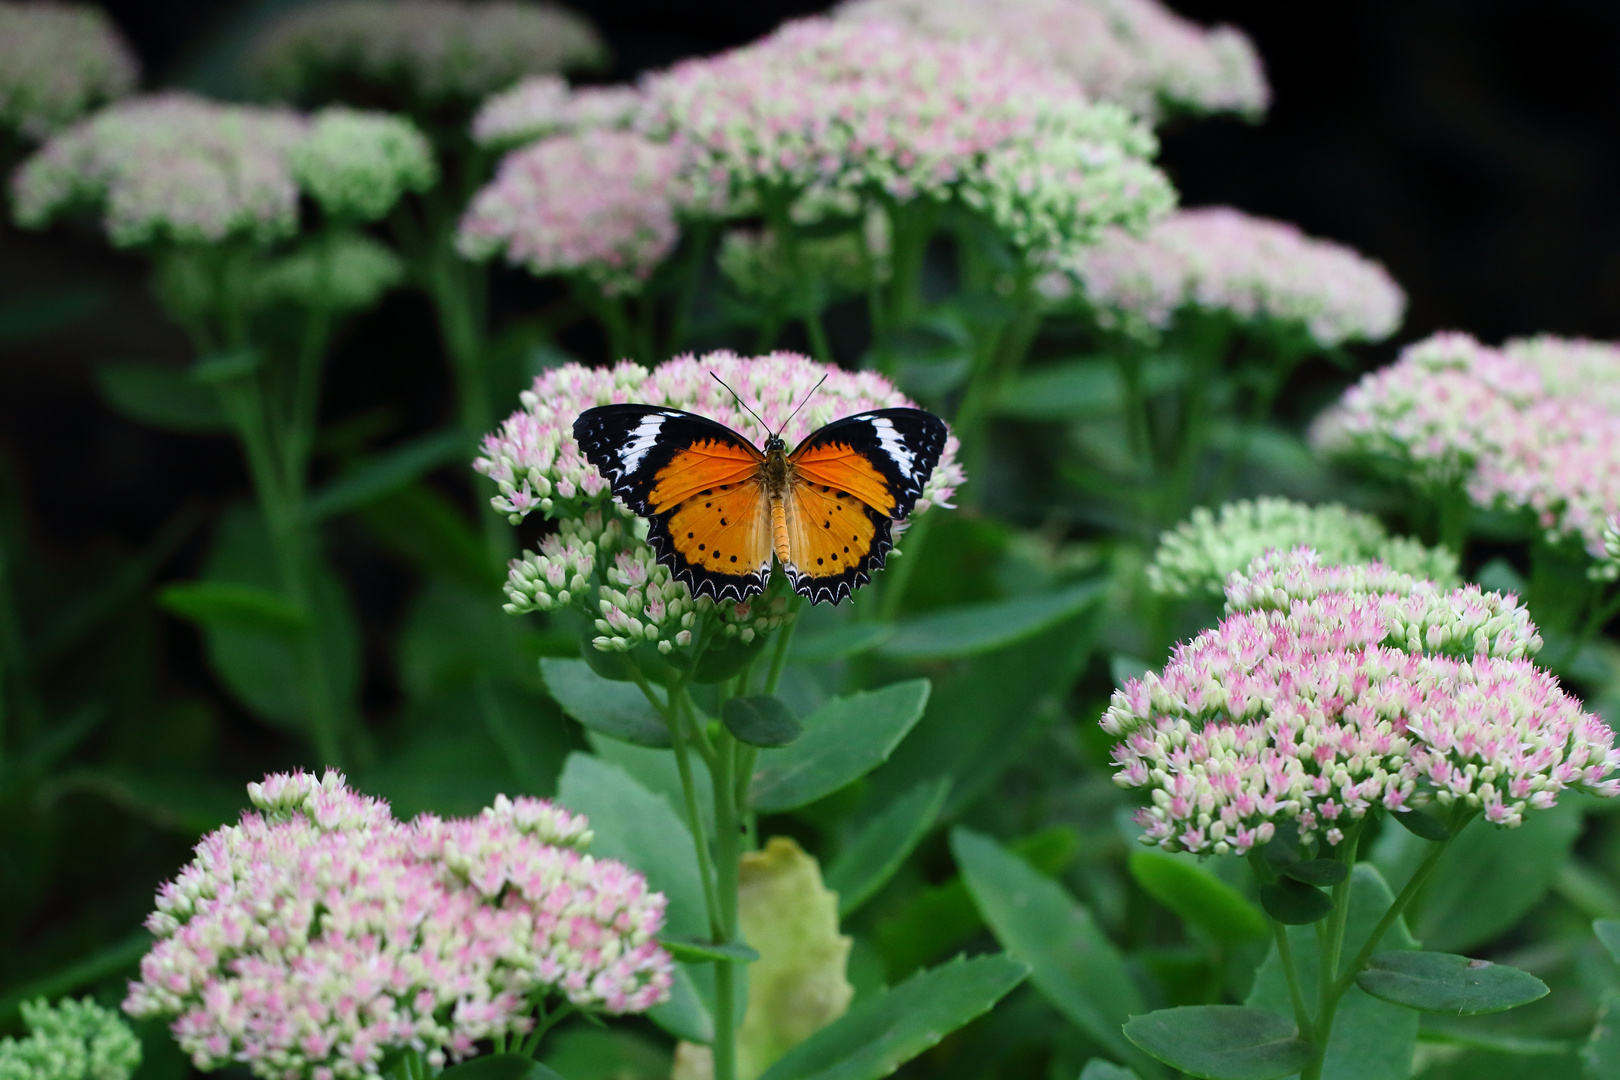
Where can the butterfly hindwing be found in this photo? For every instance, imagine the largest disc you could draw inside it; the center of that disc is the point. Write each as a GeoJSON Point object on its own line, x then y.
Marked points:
{"type": "Point", "coordinates": [836, 541]}
{"type": "Point", "coordinates": [657, 458]}
{"type": "Point", "coordinates": [718, 541]}
{"type": "Point", "coordinates": [883, 457]}
{"type": "Point", "coordinates": [697, 484]}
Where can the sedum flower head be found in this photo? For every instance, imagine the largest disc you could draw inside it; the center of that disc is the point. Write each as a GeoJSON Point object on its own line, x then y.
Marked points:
{"type": "Point", "coordinates": [71, 1040]}
{"type": "Point", "coordinates": [1532, 427]}
{"type": "Point", "coordinates": [543, 105]}
{"type": "Point", "coordinates": [1197, 556]}
{"type": "Point", "coordinates": [169, 168]}
{"type": "Point", "coordinates": [57, 62]}
{"type": "Point", "coordinates": [345, 272]}
{"type": "Point", "coordinates": [1320, 710]}
{"type": "Point", "coordinates": [357, 165]}
{"type": "Point", "coordinates": [420, 54]}
{"type": "Point", "coordinates": [874, 110]}
{"type": "Point", "coordinates": [598, 205]}
{"type": "Point", "coordinates": [1136, 53]}
{"type": "Point", "coordinates": [1220, 259]}
{"type": "Point", "coordinates": [598, 561]}
{"type": "Point", "coordinates": [319, 933]}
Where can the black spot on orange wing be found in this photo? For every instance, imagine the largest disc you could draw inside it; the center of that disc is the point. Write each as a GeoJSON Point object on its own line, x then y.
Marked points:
{"type": "Point", "coordinates": [655, 458]}
{"type": "Point", "coordinates": [834, 544]}
{"type": "Point", "coordinates": [719, 545]}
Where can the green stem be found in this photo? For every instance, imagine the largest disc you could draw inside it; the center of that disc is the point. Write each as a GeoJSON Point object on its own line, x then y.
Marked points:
{"type": "Point", "coordinates": [244, 402]}
{"type": "Point", "coordinates": [1272, 381]}
{"type": "Point", "coordinates": [1452, 508]}
{"type": "Point", "coordinates": [673, 715]}
{"type": "Point", "coordinates": [728, 856]}
{"type": "Point", "coordinates": [784, 638]}
{"type": "Point", "coordinates": [820, 347]}
{"type": "Point", "coordinates": [544, 1023]}
{"type": "Point", "coordinates": [700, 237]}
{"type": "Point", "coordinates": [1285, 952]}
{"type": "Point", "coordinates": [911, 226]}
{"type": "Point", "coordinates": [1335, 984]}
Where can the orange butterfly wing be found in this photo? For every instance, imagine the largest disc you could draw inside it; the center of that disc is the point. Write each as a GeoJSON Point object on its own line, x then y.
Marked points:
{"type": "Point", "coordinates": [834, 540]}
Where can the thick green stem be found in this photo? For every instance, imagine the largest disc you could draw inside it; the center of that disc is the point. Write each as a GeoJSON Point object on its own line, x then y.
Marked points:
{"type": "Point", "coordinates": [1452, 511]}
{"type": "Point", "coordinates": [244, 402]}
{"type": "Point", "coordinates": [674, 718]}
{"type": "Point", "coordinates": [1335, 983]}
{"type": "Point", "coordinates": [911, 226]}
{"type": "Point", "coordinates": [820, 346]}
{"type": "Point", "coordinates": [699, 239]}
{"type": "Point", "coordinates": [727, 857]}
{"type": "Point", "coordinates": [1285, 953]}
{"type": "Point", "coordinates": [898, 575]}
{"type": "Point", "coordinates": [784, 638]}
{"type": "Point", "coordinates": [1272, 380]}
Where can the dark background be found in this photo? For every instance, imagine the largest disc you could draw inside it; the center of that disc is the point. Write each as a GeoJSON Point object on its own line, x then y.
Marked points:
{"type": "Point", "coordinates": [1470, 145]}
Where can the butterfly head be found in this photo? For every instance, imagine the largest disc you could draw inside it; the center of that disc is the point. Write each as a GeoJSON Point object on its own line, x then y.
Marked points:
{"type": "Point", "coordinates": [775, 445]}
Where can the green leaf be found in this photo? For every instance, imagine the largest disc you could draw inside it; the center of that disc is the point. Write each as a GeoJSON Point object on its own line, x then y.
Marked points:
{"type": "Point", "coordinates": [724, 658]}
{"type": "Point", "coordinates": [500, 1067]}
{"type": "Point", "coordinates": [226, 367]}
{"type": "Point", "coordinates": [1294, 903]}
{"type": "Point", "coordinates": [429, 532]}
{"type": "Point", "coordinates": [842, 741]}
{"type": "Point", "coordinates": [1608, 932]}
{"type": "Point", "coordinates": [1448, 983]}
{"type": "Point", "coordinates": [1487, 880]}
{"type": "Point", "coordinates": [242, 607]}
{"type": "Point", "coordinates": [885, 1031]}
{"type": "Point", "coordinates": [1317, 871]}
{"type": "Point", "coordinates": [1371, 1040]}
{"type": "Point", "coordinates": [760, 720]}
{"type": "Point", "coordinates": [616, 709]}
{"type": "Point", "coordinates": [988, 714]}
{"type": "Point", "coordinates": [162, 397]}
{"type": "Point", "coordinates": [1422, 825]}
{"type": "Point", "coordinates": [982, 628]}
{"type": "Point", "coordinates": [1601, 1054]}
{"type": "Point", "coordinates": [390, 471]}
{"type": "Point", "coordinates": [260, 668]}
{"type": "Point", "coordinates": [1222, 1042]}
{"type": "Point", "coordinates": [941, 918]}
{"type": "Point", "coordinates": [697, 951]}
{"type": "Point", "coordinates": [838, 643]}
{"type": "Point", "coordinates": [1199, 897]}
{"type": "Point", "coordinates": [1063, 391]}
{"type": "Point", "coordinates": [1098, 1069]}
{"type": "Point", "coordinates": [875, 852]}
{"type": "Point", "coordinates": [1072, 962]}
{"type": "Point", "coordinates": [642, 830]}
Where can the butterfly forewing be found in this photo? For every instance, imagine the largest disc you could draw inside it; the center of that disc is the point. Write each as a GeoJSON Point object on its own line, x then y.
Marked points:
{"type": "Point", "coordinates": [656, 458]}
{"type": "Point", "coordinates": [697, 484]}
{"type": "Point", "coordinates": [882, 457]}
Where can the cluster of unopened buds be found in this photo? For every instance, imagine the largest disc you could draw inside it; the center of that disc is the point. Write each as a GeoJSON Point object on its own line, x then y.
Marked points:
{"type": "Point", "coordinates": [1199, 556]}
{"type": "Point", "coordinates": [1319, 707]}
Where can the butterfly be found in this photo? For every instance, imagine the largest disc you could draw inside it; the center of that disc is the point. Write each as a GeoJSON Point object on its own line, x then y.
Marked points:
{"type": "Point", "coordinates": [718, 508]}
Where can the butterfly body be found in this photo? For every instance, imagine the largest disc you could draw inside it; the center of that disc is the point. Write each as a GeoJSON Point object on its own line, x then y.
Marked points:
{"type": "Point", "coordinates": [719, 509]}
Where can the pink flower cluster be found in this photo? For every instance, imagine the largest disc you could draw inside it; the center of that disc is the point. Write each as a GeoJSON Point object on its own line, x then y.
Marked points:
{"type": "Point", "coordinates": [1221, 259]}
{"type": "Point", "coordinates": [598, 560]}
{"type": "Point", "coordinates": [428, 52]}
{"type": "Point", "coordinates": [58, 61]}
{"type": "Point", "coordinates": [319, 934]}
{"type": "Point", "coordinates": [174, 168]}
{"type": "Point", "coordinates": [1532, 426]}
{"type": "Point", "coordinates": [1418, 615]}
{"type": "Point", "coordinates": [1134, 52]}
{"type": "Point", "coordinates": [544, 105]}
{"type": "Point", "coordinates": [874, 109]}
{"type": "Point", "coordinates": [169, 167]}
{"type": "Point", "coordinates": [599, 204]}
{"type": "Point", "coordinates": [1319, 712]}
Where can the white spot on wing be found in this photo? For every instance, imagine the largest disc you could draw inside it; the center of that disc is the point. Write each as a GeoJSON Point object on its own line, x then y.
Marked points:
{"type": "Point", "coordinates": [640, 442]}
{"type": "Point", "coordinates": [894, 445]}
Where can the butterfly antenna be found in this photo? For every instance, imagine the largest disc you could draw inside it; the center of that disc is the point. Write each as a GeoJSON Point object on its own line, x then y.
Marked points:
{"type": "Point", "coordinates": [763, 426]}
{"type": "Point", "coordinates": [801, 405]}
